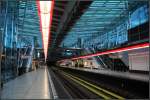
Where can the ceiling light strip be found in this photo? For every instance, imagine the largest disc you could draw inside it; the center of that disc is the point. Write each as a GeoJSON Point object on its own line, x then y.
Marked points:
{"type": "Point", "coordinates": [45, 11]}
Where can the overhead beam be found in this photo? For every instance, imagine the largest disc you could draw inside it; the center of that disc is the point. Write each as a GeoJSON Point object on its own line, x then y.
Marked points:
{"type": "Point", "coordinates": [55, 22]}
{"type": "Point", "coordinates": [56, 19]}
{"type": "Point", "coordinates": [28, 34]}
{"type": "Point", "coordinates": [29, 31]}
{"type": "Point", "coordinates": [54, 26]}
{"type": "Point", "coordinates": [56, 15]}
{"type": "Point", "coordinates": [68, 9]}
{"type": "Point", "coordinates": [59, 4]}
{"type": "Point", "coordinates": [30, 26]}
{"type": "Point", "coordinates": [58, 8]}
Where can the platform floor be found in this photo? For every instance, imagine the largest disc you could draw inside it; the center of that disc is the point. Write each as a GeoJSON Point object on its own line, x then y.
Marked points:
{"type": "Point", "coordinates": [32, 85]}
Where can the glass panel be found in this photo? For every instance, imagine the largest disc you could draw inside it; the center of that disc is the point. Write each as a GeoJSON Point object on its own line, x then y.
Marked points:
{"type": "Point", "coordinates": [139, 16]}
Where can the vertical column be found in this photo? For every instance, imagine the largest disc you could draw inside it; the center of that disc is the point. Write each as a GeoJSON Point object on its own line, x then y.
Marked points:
{"type": "Point", "coordinates": [0, 52]}
{"type": "Point", "coordinates": [0, 58]}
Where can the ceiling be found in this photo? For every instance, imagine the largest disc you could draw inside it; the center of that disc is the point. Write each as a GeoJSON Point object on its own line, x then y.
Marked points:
{"type": "Point", "coordinates": [102, 16]}
{"type": "Point", "coordinates": [65, 15]}
{"type": "Point", "coordinates": [58, 11]}
{"type": "Point", "coordinates": [73, 18]}
{"type": "Point", "coordinates": [28, 21]}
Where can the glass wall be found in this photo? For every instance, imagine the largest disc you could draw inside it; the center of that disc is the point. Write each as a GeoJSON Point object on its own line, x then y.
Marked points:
{"type": "Point", "coordinates": [119, 35]}
{"type": "Point", "coordinates": [139, 16]}
{"type": "Point", "coordinates": [8, 18]}
{"type": "Point", "coordinates": [97, 31]}
{"type": "Point", "coordinates": [110, 39]}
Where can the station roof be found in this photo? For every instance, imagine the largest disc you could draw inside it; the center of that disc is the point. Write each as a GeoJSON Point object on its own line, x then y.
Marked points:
{"type": "Point", "coordinates": [102, 16]}
{"type": "Point", "coordinates": [83, 19]}
{"type": "Point", "coordinates": [28, 21]}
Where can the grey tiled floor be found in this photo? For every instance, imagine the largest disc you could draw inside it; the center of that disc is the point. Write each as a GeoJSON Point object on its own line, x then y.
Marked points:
{"type": "Point", "coordinates": [32, 85]}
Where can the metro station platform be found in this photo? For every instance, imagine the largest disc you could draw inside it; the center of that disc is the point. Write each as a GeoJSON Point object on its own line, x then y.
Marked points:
{"type": "Point", "coordinates": [32, 85]}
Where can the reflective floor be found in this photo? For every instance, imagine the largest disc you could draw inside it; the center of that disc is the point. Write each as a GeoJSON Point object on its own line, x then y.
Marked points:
{"type": "Point", "coordinates": [32, 85]}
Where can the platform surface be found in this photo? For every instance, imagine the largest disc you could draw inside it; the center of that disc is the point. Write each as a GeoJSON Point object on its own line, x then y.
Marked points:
{"type": "Point", "coordinates": [32, 85]}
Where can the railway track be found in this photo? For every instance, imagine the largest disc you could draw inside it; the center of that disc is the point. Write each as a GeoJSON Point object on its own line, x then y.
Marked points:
{"type": "Point", "coordinates": [76, 91]}
{"type": "Point", "coordinates": [127, 88]}
{"type": "Point", "coordinates": [81, 89]}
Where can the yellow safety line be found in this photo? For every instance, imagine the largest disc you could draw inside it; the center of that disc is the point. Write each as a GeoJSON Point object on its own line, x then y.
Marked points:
{"type": "Point", "coordinates": [106, 91]}
{"type": "Point", "coordinates": [89, 88]}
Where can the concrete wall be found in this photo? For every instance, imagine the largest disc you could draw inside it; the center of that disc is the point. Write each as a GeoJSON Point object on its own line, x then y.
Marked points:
{"type": "Point", "coordinates": [139, 61]}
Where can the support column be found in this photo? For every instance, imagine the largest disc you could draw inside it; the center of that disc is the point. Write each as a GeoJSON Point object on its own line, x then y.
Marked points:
{"type": "Point", "coordinates": [0, 58]}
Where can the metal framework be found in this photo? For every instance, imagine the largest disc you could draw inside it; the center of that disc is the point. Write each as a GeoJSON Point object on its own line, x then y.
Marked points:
{"type": "Point", "coordinates": [103, 20]}
{"type": "Point", "coordinates": [28, 20]}
{"type": "Point", "coordinates": [98, 19]}
{"type": "Point", "coordinates": [19, 27]}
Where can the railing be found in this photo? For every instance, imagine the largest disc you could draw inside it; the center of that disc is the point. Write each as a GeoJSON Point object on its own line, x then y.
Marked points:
{"type": "Point", "coordinates": [102, 62]}
{"type": "Point", "coordinates": [98, 59]}
{"type": "Point", "coordinates": [107, 61]}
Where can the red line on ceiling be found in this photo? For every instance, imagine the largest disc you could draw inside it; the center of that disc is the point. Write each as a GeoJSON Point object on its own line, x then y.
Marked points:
{"type": "Point", "coordinates": [133, 47]}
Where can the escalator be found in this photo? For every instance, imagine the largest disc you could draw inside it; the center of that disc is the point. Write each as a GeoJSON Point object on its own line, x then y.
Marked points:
{"type": "Point", "coordinates": [107, 62]}
{"type": "Point", "coordinates": [98, 59]}
{"type": "Point", "coordinates": [100, 62]}
{"type": "Point", "coordinates": [119, 65]}
{"type": "Point", "coordinates": [115, 64]}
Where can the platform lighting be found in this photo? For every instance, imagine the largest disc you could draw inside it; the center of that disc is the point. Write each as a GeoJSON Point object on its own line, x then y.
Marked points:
{"type": "Point", "coordinates": [129, 48]}
{"type": "Point", "coordinates": [45, 11]}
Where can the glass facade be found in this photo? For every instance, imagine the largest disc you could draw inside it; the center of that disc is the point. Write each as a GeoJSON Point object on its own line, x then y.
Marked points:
{"type": "Point", "coordinates": [105, 24]}
{"type": "Point", "coordinates": [140, 16]}
{"type": "Point", "coordinates": [16, 26]}
{"type": "Point", "coordinates": [20, 35]}
{"type": "Point", "coordinates": [96, 22]}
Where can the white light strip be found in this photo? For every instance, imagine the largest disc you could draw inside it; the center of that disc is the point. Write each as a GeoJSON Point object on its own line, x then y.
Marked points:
{"type": "Point", "coordinates": [45, 13]}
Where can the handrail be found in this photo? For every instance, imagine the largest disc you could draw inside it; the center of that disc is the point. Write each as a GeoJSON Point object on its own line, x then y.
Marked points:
{"type": "Point", "coordinates": [103, 62]}
{"type": "Point", "coordinates": [98, 58]}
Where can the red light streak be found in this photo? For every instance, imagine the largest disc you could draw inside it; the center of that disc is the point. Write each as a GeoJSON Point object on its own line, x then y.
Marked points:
{"type": "Point", "coordinates": [129, 48]}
